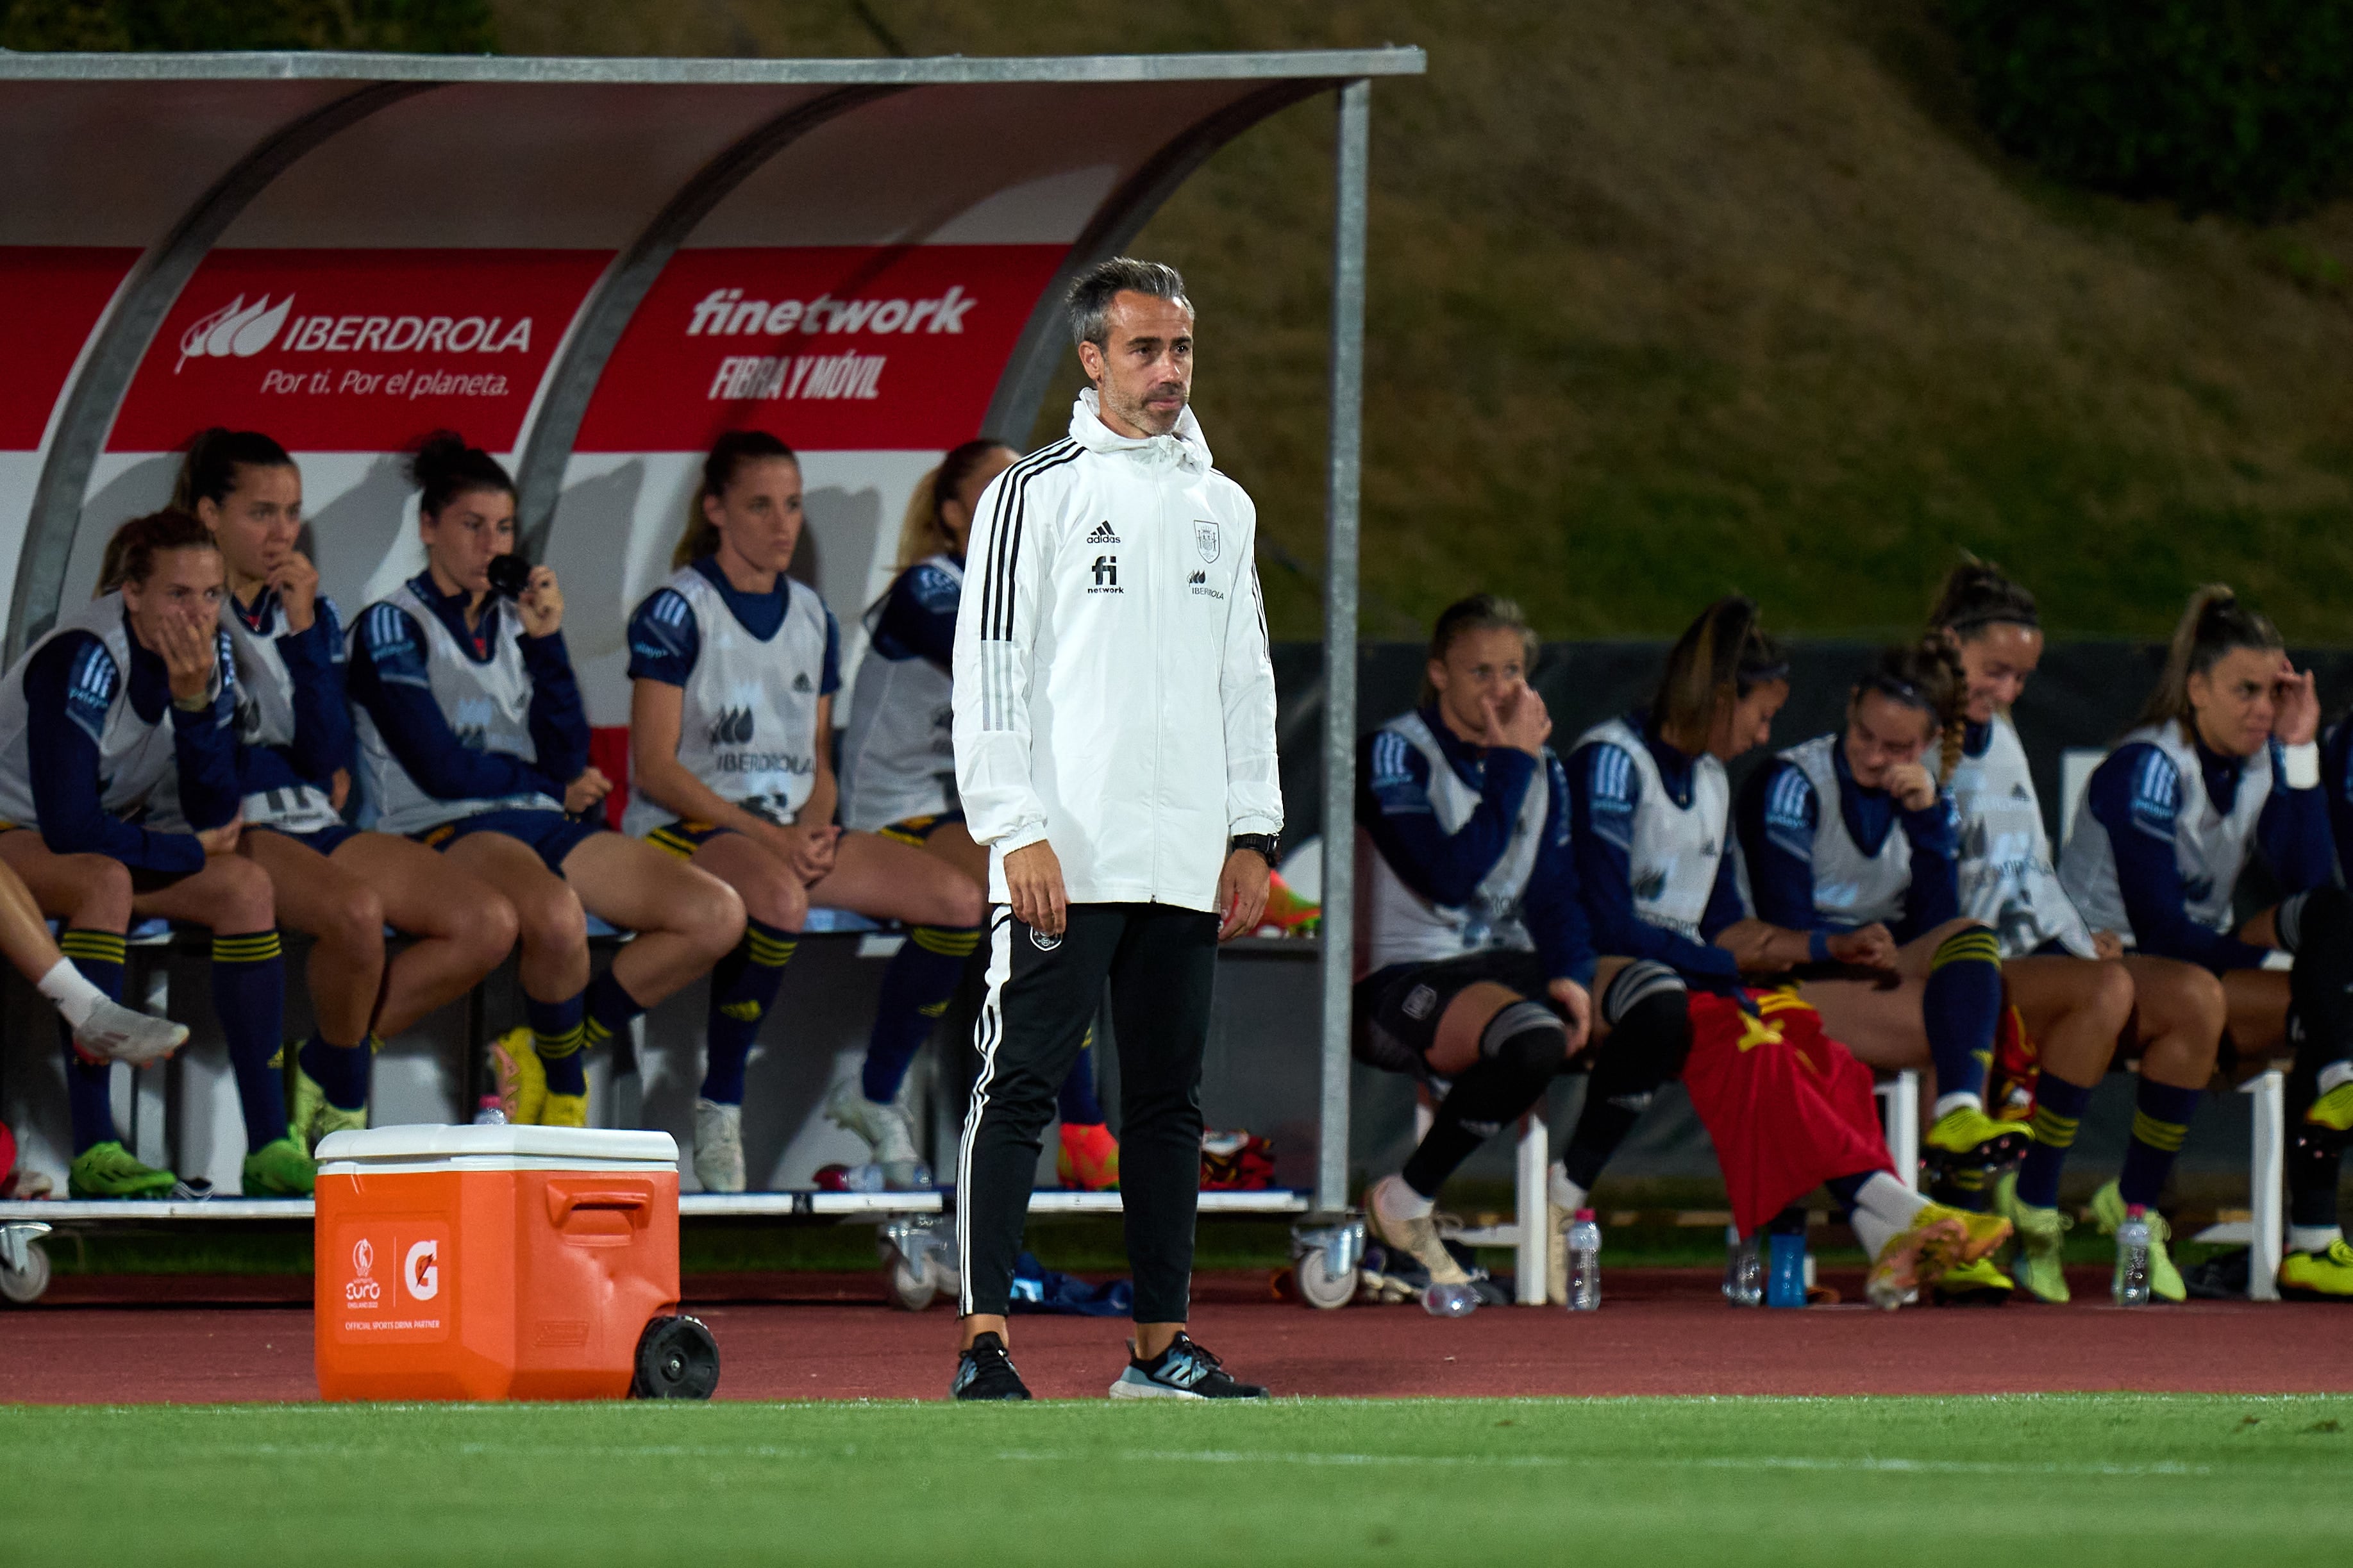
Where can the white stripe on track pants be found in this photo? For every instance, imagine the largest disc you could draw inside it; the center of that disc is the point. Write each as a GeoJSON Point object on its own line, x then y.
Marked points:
{"type": "Point", "coordinates": [1160, 963]}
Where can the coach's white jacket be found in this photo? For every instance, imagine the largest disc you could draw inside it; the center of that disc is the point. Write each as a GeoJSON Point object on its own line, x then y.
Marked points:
{"type": "Point", "coordinates": [1114, 693]}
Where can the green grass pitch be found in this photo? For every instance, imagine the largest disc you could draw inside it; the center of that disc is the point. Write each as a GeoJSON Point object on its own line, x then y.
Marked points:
{"type": "Point", "coordinates": [2074, 1479]}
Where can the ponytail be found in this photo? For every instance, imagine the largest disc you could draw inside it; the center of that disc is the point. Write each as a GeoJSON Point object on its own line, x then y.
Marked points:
{"type": "Point", "coordinates": [1722, 657]}
{"type": "Point", "coordinates": [443, 467]}
{"type": "Point", "coordinates": [1927, 676]}
{"type": "Point", "coordinates": [728, 453]}
{"type": "Point", "coordinates": [210, 461]}
{"type": "Point", "coordinates": [1977, 595]}
{"type": "Point", "coordinates": [925, 532]}
{"type": "Point", "coordinates": [2213, 627]}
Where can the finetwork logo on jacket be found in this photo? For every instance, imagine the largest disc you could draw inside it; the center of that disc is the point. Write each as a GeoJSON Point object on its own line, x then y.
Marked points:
{"type": "Point", "coordinates": [1106, 573]}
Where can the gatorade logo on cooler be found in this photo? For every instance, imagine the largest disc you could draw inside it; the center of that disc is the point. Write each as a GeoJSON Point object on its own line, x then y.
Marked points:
{"type": "Point", "coordinates": [422, 1273]}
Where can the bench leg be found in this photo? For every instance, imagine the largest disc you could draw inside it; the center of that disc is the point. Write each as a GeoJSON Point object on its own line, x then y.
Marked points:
{"type": "Point", "coordinates": [2267, 1183]}
{"type": "Point", "coordinates": [1902, 1096]}
{"type": "Point", "coordinates": [1536, 1240]}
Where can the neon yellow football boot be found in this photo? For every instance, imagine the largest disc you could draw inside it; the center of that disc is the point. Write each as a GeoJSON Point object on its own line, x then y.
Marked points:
{"type": "Point", "coordinates": [279, 1169]}
{"type": "Point", "coordinates": [564, 1110]}
{"type": "Point", "coordinates": [310, 1115]}
{"type": "Point", "coordinates": [1966, 1137]}
{"type": "Point", "coordinates": [1978, 1282]}
{"type": "Point", "coordinates": [2040, 1262]}
{"type": "Point", "coordinates": [1938, 1239]}
{"type": "Point", "coordinates": [107, 1170]}
{"type": "Point", "coordinates": [523, 1082]}
{"type": "Point", "coordinates": [2164, 1278]}
{"type": "Point", "coordinates": [2333, 1110]}
{"type": "Point", "coordinates": [2303, 1276]}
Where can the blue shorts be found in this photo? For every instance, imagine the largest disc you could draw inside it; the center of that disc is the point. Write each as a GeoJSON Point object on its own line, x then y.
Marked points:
{"type": "Point", "coordinates": [917, 830]}
{"type": "Point", "coordinates": [552, 832]}
{"type": "Point", "coordinates": [325, 841]}
{"type": "Point", "coordinates": [684, 835]}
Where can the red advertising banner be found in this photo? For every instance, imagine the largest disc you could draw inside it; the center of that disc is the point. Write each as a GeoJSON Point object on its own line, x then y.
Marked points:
{"type": "Point", "coordinates": [356, 351]}
{"type": "Point", "coordinates": [56, 293]}
{"type": "Point", "coordinates": [833, 348]}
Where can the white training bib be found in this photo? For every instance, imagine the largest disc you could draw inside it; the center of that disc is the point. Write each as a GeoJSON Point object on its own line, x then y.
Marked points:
{"type": "Point", "coordinates": [488, 707]}
{"type": "Point", "coordinates": [136, 764]}
{"type": "Point", "coordinates": [747, 721]}
{"type": "Point", "coordinates": [2209, 848]}
{"type": "Point", "coordinates": [1400, 925]}
{"type": "Point", "coordinates": [2007, 880]}
{"type": "Point", "coordinates": [1852, 889]}
{"type": "Point", "coordinates": [897, 759]}
{"type": "Point", "coordinates": [265, 717]}
{"type": "Point", "coordinates": [1675, 850]}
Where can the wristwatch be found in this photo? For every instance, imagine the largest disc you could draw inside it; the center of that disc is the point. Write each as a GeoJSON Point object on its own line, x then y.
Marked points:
{"type": "Point", "coordinates": [1266, 845]}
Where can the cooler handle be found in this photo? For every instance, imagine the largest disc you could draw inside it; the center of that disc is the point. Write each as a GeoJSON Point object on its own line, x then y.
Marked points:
{"type": "Point", "coordinates": [562, 1203]}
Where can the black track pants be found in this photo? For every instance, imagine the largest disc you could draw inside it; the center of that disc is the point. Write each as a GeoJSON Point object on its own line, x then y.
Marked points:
{"type": "Point", "coordinates": [1042, 995]}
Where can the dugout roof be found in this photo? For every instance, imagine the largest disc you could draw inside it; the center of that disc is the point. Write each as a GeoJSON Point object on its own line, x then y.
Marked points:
{"type": "Point", "coordinates": [593, 266]}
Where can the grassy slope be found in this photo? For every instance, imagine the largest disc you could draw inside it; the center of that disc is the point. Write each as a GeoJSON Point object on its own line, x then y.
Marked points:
{"type": "Point", "coordinates": [1670, 299]}
{"type": "Point", "coordinates": [2087, 1479]}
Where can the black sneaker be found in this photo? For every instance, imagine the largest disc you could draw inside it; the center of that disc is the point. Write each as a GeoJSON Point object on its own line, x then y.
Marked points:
{"type": "Point", "coordinates": [1183, 1371]}
{"type": "Point", "coordinates": [986, 1372]}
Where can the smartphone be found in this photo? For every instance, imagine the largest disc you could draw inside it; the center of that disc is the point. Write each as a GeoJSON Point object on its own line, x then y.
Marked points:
{"type": "Point", "coordinates": [510, 575]}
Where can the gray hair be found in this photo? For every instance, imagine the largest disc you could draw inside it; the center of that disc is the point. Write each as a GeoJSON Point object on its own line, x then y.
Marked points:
{"type": "Point", "coordinates": [1092, 293]}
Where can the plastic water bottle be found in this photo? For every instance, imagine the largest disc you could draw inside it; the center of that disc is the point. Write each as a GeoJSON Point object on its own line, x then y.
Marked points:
{"type": "Point", "coordinates": [1743, 1269]}
{"type": "Point", "coordinates": [2131, 1288]}
{"type": "Point", "coordinates": [1583, 1240]}
{"type": "Point", "coordinates": [490, 1113]}
{"type": "Point", "coordinates": [1785, 1278]}
{"type": "Point", "coordinates": [1450, 1301]}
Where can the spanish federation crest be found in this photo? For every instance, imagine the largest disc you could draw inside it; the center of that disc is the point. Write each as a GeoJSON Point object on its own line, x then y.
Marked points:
{"type": "Point", "coordinates": [1205, 538]}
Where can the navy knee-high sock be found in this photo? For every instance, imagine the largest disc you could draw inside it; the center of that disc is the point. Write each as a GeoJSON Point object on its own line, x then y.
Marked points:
{"type": "Point", "coordinates": [340, 1071]}
{"type": "Point", "coordinates": [249, 996]}
{"type": "Point", "coordinates": [609, 1010]}
{"type": "Point", "coordinates": [2161, 1116]}
{"type": "Point", "coordinates": [98, 955]}
{"type": "Point", "coordinates": [2058, 1112]}
{"type": "Point", "coordinates": [743, 986]}
{"type": "Point", "coordinates": [555, 1031]}
{"type": "Point", "coordinates": [1960, 1009]}
{"type": "Point", "coordinates": [1077, 1105]}
{"type": "Point", "coordinates": [916, 989]}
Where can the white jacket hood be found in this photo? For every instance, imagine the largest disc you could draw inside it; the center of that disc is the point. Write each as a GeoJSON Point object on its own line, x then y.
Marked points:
{"type": "Point", "coordinates": [1184, 447]}
{"type": "Point", "coordinates": [1112, 693]}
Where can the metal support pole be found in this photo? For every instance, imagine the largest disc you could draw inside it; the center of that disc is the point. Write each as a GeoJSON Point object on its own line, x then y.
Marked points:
{"type": "Point", "coordinates": [1340, 536]}
{"type": "Point", "coordinates": [2267, 1180]}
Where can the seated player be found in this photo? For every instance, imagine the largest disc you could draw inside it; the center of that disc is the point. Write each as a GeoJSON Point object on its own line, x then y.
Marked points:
{"type": "Point", "coordinates": [129, 701]}
{"type": "Point", "coordinates": [330, 881]}
{"type": "Point", "coordinates": [1474, 964]}
{"type": "Point", "coordinates": [2225, 759]}
{"type": "Point", "coordinates": [733, 666]}
{"type": "Point", "coordinates": [2079, 995]}
{"type": "Point", "coordinates": [1848, 835]}
{"type": "Point", "coordinates": [472, 740]}
{"type": "Point", "coordinates": [898, 765]}
{"type": "Point", "coordinates": [1651, 807]}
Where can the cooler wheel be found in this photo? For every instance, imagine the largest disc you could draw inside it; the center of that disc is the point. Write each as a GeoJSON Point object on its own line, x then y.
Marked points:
{"type": "Point", "coordinates": [24, 1264]}
{"type": "Point", "coordinates": [677, 1359]}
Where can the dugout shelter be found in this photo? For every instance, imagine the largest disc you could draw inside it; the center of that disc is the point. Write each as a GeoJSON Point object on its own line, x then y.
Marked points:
{"type": "Point", "coordinates": [592, 266]}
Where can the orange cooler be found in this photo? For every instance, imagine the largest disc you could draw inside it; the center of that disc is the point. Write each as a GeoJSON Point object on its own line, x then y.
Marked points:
{"type": "Point", "coordinates": [492, 1262]}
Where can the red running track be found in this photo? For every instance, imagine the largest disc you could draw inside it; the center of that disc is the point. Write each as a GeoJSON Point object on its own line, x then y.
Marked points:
{"type": "Point", "coordinates": [1663, 1332]}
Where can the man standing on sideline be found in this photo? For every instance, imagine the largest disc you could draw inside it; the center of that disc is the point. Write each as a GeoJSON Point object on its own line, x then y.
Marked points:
{"type": "Point", "coordinates": [1114, 744]}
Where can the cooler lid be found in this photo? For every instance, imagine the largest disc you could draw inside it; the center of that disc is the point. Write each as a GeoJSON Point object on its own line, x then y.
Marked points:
{"type": "Point", "coordinates": [425, 1143]}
